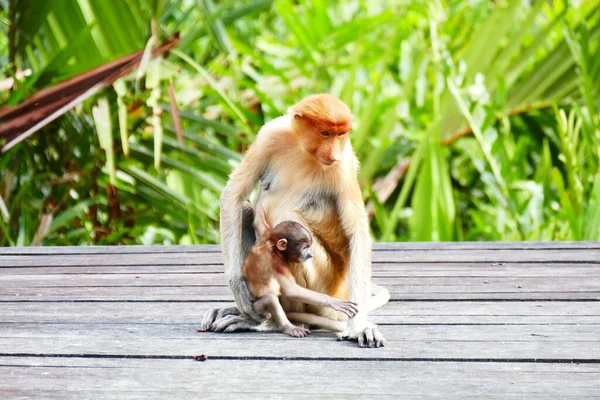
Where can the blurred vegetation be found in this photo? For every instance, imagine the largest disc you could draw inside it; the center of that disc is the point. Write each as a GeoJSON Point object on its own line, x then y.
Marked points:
{"type": "Point", "coordinates": [474, 120]}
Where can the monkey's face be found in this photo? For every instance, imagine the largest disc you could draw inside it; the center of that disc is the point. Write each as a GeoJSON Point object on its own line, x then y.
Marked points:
{"type": "Point", "coordinates": [322, 123]}
{"type": "Point", "coordinates": [293, 241]}
{"type": "Point", "coordinates": [300, 252]}
{"type": "Point", "coordinates": [294, 250]}
{"type": "Point", "coordinates": [325, 142]}
{"type": "Point", "coordinates": [329, 146]}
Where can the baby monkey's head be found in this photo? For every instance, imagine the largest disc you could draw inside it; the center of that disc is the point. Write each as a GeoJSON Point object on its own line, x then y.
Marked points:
{"type": "Point", "coordinates": [292, 240]}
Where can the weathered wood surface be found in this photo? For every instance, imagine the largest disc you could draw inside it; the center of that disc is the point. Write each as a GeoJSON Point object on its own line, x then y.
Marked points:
{"type": "Point", "coordinates": [466, 320]}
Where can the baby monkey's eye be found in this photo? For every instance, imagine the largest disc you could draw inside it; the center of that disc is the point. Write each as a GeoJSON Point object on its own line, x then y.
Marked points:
{"type": "Point", "coordinates": [325, 134]}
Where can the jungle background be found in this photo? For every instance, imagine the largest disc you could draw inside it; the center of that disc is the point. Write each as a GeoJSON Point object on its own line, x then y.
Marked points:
{"type": "Point", "coordinates": [474, 120]}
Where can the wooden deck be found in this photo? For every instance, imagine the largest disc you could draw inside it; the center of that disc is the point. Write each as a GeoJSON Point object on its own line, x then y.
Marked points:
{"type": "Point", "coordinates": [468, 320]}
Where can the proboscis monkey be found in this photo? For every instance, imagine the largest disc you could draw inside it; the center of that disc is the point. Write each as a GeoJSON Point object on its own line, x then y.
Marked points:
{"type": "Point", "coordinates": [268, 276]}
{"type": "Point", "coordinates": [307, 172]}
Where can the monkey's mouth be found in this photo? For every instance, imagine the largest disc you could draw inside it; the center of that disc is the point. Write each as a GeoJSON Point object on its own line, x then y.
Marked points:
{"type": "Point", "coordinates": [305, 258]}
{"type": "Point", "coordinates": [327, 163]}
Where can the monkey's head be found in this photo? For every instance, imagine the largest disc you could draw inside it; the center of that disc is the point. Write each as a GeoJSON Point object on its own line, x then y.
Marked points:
{"type": "Point", "coordinates": [322, 122]}
{"type": "Point", "coordinates": [292, 240]}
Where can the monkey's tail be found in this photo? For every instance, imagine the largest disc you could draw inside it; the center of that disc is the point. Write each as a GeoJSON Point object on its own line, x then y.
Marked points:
{"type": "Point", "coordinates": [379, 297]}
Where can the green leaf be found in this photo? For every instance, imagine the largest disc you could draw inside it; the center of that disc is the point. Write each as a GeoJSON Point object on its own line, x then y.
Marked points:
{"type": "Point", "coordinates": [75, 211]}
{"type": "Point", "coordinates": [590, 220]}
{"type": "Point", "coordinates": [121, 91]}
{"type": "Point", "coordinates": [102, 118]}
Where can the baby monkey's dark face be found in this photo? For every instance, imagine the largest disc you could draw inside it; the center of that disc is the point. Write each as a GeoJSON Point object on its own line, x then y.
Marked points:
{"type": "Point", "coordinates": [293, 241]}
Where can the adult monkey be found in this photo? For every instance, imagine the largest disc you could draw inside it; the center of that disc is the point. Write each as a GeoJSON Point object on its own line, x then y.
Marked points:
{"type": "Point", "coordinates": [308, 173]}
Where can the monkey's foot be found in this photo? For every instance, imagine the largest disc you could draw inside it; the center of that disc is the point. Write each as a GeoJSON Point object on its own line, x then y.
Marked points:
{"type": "Point", "coordinates": [234, 323]}
{"type": "Point", "coordinates": [295, 331]}
{"type": "Point", "coordinates": [216, 314]}
{"type": "Point", "coordinates": [368, 337]}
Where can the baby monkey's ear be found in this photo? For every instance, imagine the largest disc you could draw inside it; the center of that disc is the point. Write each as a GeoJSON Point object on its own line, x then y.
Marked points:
{"type": "Point", "coordinates": [282, 244]}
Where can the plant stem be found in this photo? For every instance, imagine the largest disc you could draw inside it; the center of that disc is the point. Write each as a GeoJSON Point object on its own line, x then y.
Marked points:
{"type": "Point", "coordinates": [12, 34]}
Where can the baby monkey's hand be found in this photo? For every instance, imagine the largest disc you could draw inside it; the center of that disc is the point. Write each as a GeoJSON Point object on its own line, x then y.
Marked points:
{"type": "Point", "coordinates": [295, 331]}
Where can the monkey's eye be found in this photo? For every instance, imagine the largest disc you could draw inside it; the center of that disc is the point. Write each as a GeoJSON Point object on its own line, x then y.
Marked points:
{"type": "Point", "coordinates": [342, 134]}
{"type": "Point", "coordinates": [325, 134]}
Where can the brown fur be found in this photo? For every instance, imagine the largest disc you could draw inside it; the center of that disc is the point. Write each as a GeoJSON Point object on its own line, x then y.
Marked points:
{"type": "Point", "coordinates": [266, 261]}
{"type": "Point", "coordinates": [258, 269]}
{"type": "Point", "coordinates": [325, 112]}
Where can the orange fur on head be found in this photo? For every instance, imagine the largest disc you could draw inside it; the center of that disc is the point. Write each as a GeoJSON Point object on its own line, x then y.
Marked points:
{"type": "Point", "coordinates": [322, 122]}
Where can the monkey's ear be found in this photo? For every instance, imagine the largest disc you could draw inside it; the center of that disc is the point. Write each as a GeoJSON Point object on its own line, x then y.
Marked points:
{"type": "Point", "coordinates": [297, 115]}
{"type": "Point", "coordinates": [282, 244]}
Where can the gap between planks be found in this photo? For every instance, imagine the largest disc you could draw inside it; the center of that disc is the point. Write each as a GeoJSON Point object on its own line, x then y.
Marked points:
{"type": "Point", "coordinates": [325, 359]}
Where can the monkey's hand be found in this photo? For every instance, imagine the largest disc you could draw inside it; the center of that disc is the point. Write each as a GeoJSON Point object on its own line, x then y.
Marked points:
{"type": "Point", "coordinates": [348, 307]}
{"type": "Point", "coordinates": [367, 337]}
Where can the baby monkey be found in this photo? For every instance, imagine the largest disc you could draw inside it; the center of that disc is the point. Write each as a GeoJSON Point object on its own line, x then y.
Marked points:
{"type": "Point", "coordinates": [268, 276]}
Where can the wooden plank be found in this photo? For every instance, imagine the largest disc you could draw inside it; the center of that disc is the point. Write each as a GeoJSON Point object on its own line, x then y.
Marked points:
{"type": "Point", "coordinates": [591, 256]}
{"type": "Point", "coordinates": [71, 250]}
{"type": "Point", "coordinates": [379, 269]}
{"type": "Point", "coordinates": [531, 333]}
{"type": "Point", "coordinates": [394, 313]}
{"type": "Point", "coordinates": [207, 295]}
{"type": "Point", "coordinates": [52, 378]}
{"type": "Point", "coordinates": [570, 277]}
{"type": "Point", "coordinates": [431, 342]}
{"type": "Point", "coordinates": [111, 259]}
{"type": "Point", "coordinates": [140, 285]}
{"type": "Point", "coordinates": [538, 246]}
{"type": "Point", "coordinates": [551, 290]}
{"type": "Point", "coordinates": [412, 246]}
{"type": "Point", "coordinates": [398, 284]}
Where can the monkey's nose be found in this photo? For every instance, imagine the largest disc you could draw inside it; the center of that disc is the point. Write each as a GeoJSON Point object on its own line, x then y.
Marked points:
{"type": "Point", "coordinates": [308, 256]}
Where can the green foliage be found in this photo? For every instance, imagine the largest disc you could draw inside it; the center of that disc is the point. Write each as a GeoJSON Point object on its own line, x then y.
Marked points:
{"type": "Point", "coordinates": [494, 104]}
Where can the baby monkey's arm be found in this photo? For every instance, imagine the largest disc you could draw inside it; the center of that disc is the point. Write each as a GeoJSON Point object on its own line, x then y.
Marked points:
{"type": "Point", "coordinates": [291, 290]}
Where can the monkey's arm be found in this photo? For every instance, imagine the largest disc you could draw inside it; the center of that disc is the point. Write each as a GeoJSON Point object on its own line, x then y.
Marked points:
{"type": "Point", "coordinates": [241, 182]}
{"type": "Point", "coordinates": [293, 291]}
{"type": "Point", "coordinates": [237, 237]}
{"type": "Point", "coordinates": [356, 226]}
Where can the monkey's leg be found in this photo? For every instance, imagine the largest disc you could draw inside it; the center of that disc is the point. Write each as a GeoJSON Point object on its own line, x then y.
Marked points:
{"type": "Point", "coordinates": [356, 227]}
{"type": "Point", "coordinates": [270, 303]}
{"type": "Point", "coordinates": [317, 320]}
{"type": "Point", "coordinates": [222, 319]}
{"type": "Point", "coordinates": [263, 305]}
